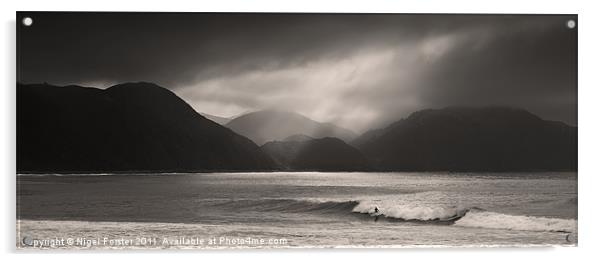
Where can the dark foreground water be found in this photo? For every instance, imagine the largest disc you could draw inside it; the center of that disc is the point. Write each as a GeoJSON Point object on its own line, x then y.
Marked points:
{"type": "Point", "coordinates": [223, 210]}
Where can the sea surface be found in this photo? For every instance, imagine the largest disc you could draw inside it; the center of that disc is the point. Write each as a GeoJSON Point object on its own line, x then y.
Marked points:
{"type": "Point", "coordinates": [300, 209]}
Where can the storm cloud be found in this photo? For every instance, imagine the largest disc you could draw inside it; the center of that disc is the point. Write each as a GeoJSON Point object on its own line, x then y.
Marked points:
{"type": "Point", "coordinates": [359, 71]}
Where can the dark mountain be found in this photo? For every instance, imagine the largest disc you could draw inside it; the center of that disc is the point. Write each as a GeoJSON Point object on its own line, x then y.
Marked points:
{"type": "Point", "coordinates": [127, 127]}
{"type": "Point", "coordinates": [217, 119]}
{"type": "Point", "coordinates": [472, 139]}
{"type": "Point", "coordinates": [323, 154]}
{"type": "Point", "coordinates": [274, 125]}
{"type": "Point", "coordinates": [373, 134]}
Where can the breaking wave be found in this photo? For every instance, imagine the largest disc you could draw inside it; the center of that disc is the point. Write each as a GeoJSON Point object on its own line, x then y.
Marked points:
{"type": "Point", "coordinates": [485, 219]}
{"type": "Point", "coordinates": [394, 211]}
{"type": "Point", "coordinates": [411, 212]}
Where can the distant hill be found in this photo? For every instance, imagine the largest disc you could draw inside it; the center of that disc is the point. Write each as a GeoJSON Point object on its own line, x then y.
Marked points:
{"type": "Point", "coordinates": [323, 154]}
{"type": "Point", "coordinates": [370, 135]}
{"type": "Point", "coordinates": [273, 125]}
{"type": "Point", "coordinates": [127, 127]}
{"type": "Point", "coordinates": [298, 138]}
{"type": "Point", "coordinates": [472, 139]}
{"type": "Point", "coordinates": [142, 127]}
{"type": "Point", "coordinates": [217, 119]}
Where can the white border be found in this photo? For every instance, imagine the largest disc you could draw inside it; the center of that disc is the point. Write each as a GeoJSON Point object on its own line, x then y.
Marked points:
{"type": "Point", "coordinates": [589, 125]}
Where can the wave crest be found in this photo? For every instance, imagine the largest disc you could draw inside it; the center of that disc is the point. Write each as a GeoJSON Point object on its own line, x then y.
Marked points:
{"type": "Point", "coordinates": [396, 211]}
{"type": "Point", "coordinates": [411, 212]}
{"type": "Point", "coordinates": [485, 219]}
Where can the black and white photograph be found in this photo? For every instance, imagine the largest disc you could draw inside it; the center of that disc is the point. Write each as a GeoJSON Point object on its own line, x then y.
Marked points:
{"type": "Point", "coordinates": [276, 130]}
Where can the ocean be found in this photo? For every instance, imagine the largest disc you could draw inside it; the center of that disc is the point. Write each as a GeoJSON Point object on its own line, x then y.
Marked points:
{"type": "Point", "coordinates": [295, 209]}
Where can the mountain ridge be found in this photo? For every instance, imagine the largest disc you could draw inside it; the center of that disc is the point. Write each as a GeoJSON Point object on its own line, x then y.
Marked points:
{"type": "Point", "coordinates": [492, 138]}
{"type": "Point", "coordinates": [142, 127]}
{"type": "Point", "coordinates": [275, 125]}
{"type": "Point", "coordinates": [321, 154]}
{"type": "Point", "coordinates": [217, 119]}
{"type": "Point", "coordinates": [127, 127]}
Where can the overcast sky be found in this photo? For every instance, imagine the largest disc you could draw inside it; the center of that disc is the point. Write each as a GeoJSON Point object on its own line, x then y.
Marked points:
{"type": "Point", "coordinates": [357, 71]}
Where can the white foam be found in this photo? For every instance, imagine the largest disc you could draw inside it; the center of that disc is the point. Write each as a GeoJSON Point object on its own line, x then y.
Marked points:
{"type": "Point", "coordinates": [409, 212]}
{"type": "Point", "coordinates": [484, 219]}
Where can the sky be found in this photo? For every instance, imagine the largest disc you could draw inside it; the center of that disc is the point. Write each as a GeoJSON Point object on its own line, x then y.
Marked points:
{"type": "Point", "coordinates": [359, 71]}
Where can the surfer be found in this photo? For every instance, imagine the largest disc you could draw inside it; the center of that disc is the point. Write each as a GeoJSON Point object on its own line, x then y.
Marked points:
{"type": "Point", "coordinates": [375, 214]}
